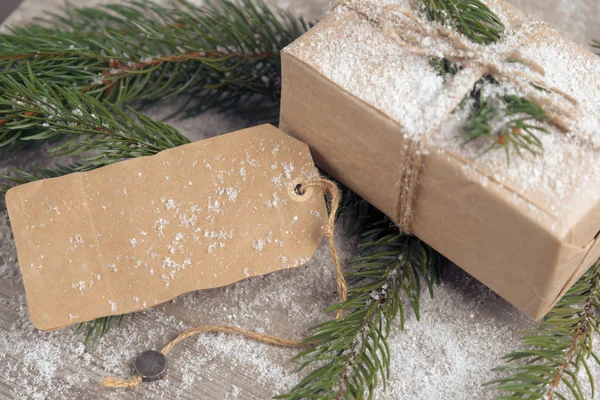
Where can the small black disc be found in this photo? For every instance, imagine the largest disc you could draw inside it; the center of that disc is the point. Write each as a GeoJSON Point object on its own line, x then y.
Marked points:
{"type": "Point", "coordinates": [151, 365]}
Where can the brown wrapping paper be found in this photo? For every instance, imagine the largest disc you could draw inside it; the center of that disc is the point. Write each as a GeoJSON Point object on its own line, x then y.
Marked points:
{"type": "Point", "coordinates": [141, 232]}
{"type": "Point", "coordinates": [528, 257]}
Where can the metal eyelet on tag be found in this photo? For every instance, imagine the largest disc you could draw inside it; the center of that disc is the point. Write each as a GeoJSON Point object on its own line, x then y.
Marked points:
{"type": "Point", "coordinates": [151, 365]}
{"type": "Point", "coordinates": [298, 193]}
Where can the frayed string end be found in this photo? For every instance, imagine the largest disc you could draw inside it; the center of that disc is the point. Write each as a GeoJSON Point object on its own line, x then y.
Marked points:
{"type": "Point", "coordinates": [112, 382]}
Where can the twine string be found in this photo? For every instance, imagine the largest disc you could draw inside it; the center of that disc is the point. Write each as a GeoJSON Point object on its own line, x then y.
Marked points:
{"type": "Point", "coordinates": [332, 190]}
{"type": "Point", "coordinates": [330, 187]}
{"type": "Point", "coordinates": [497, 61]}
{"type": "Point", "coordinates": [501, 61]}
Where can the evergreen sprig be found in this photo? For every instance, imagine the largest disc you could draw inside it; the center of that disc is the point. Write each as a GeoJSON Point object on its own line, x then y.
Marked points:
{"type": "Point", "coordinates": [559, 349]}
{"type": "Point", "coordinates": [512, 122]}
{"type": "Point", "coordinates": [508, 121]}
{"type": "Point", "coordinates": [222, 55]}
{"type": "Point", "coordinates": [596, 45]}
{"type": "Point", "coordinates": [97, 130]}
{"type": "Point", "coordinates": [53, 81]}
{"type": "Point", "coordinates": [472, 18]}
{"type": "Point", "coordinates": [94, 330]}
{"type": "Point", "coordinates": [90, 126]}
{"type": "Point", "coordinates": [350, 355]}
{"type": "Point", "coordinates": [20, 176]}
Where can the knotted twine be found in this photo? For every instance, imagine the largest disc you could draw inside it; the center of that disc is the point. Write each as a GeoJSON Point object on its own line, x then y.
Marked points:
{"type": "Point", "coordinates": [326, 186]}
{"type": "Point", "coordinates": [501, 61]}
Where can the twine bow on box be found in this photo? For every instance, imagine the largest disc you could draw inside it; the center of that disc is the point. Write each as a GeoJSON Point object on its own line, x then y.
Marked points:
{"type": "Point", "coordinates": [501, 61]}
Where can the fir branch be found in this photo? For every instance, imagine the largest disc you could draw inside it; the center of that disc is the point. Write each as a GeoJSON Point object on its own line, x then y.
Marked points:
{"type": "Point", "coordinates": [222, 55]}
{"type": "Point", "coordinates": [561, 346]}
{"type": "Point", "coordinates": [596, 46]}
{"type": "Point", "coordinates": [508, 121]}
{"type": "Point", "coordinates": [88, 124]}
{"type": "Point", "coordinates": [351, 355]}
{"type": "Point", "coordinates": [469, 17]}
{"type": "Point", "coordinates": [96, 329]}
{"type": "Point", "coordinates": [520, 117]}
{"type": "Point", "coordinates": [20, 176]}
{"type": "Point", "coordinates": [444, 68]}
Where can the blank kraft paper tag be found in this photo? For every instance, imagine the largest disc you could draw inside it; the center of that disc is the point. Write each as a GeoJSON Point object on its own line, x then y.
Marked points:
{"type": "Point", "coordinates": [141, 232]}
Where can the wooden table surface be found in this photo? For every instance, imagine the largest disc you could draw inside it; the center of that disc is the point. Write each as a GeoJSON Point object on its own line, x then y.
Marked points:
{"type": "Point", "coordinates": [447, 355]}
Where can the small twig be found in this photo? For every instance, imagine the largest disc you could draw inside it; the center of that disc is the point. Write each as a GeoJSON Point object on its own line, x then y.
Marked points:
{"type": "Point", "coordinates": [587, 315]}
{"type": "Point", "coordinates": [559, 346]}
{"type": "Point", "coordinates": [119, 70]}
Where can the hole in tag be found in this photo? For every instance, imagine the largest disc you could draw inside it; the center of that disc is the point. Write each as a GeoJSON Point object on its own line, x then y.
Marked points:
{"type": "Point", "coordinates": [299, 193]}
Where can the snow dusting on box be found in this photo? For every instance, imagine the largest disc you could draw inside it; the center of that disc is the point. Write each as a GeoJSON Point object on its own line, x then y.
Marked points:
{"type": "Point", "coordinates": [357, 56]}
{"type": "Point", "coordinates": [354, 53]}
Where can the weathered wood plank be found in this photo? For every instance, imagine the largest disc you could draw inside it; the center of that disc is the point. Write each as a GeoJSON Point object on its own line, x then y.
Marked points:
{"type": "Point", "coordinates": [445, 356]}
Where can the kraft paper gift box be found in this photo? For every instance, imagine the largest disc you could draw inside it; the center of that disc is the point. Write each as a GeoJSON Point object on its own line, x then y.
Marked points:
{"type": "Point", "coordinates": [527, 227]}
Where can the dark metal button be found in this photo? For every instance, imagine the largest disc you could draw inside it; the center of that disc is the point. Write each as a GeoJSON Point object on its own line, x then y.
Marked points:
{"type": "Point", "coordinates": [151, 365]}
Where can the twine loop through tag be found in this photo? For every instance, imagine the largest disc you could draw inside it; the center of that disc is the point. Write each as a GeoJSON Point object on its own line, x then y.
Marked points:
{"type": "Point", "coordinates": [300, 188]}
{"type": "Point", "coordinates": [499, 60]}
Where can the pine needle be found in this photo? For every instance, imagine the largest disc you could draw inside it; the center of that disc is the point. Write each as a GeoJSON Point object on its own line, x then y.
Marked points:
{"type": "Point", "coordinates": [559, 349]}
{"type": "Point", "coordinates": [507, 121]}
{"type": "Point", "coordinates": [99, 131]}
{"type": "Point", "coordinates": [64, 81]}
{"type": "Point", "coordinates": [350, 356]}
{"type": "Point", "coordinates": [521, 116]}
{"type": "Point", "coordinates": [94, 330]}
{"type": "Point", "coordinates": [223, 55]}
{"type": "Point", "coordinates": [472, 18]}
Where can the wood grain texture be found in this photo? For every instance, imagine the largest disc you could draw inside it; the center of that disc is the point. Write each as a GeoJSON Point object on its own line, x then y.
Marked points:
{"type": "Point", "coordinates": [448, 355]}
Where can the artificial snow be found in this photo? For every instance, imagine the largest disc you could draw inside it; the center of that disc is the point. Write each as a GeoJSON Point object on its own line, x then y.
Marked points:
{"type": "Point", "coordinates": [447, 355]}
{"type": "Point", "coordinates": [359, 57]}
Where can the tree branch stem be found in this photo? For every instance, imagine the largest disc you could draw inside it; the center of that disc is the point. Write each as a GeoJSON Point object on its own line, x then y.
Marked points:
{"type": "Point", "coordinates": [587, 315]}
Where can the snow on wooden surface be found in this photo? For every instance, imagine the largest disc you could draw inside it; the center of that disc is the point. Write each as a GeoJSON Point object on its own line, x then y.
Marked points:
{"type": "Point", "coordinates": [447, 355]}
